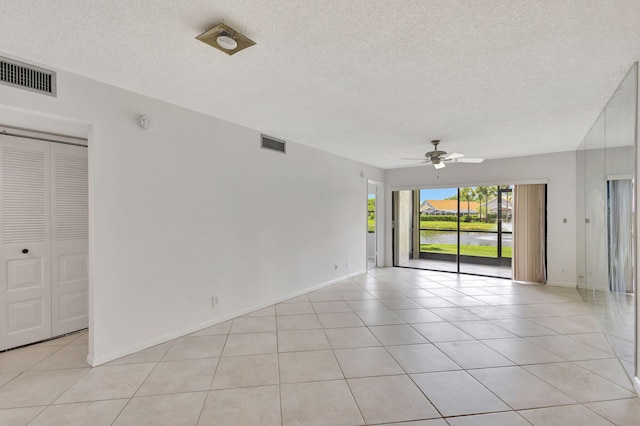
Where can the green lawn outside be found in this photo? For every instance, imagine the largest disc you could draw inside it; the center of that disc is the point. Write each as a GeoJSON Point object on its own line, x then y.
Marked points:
{"type": "Point", "coordinates": [464, 226]}
{"type": "Point", "coordinates": [453, 226]}
{"type": "Point", "coordinates": [480, 251]}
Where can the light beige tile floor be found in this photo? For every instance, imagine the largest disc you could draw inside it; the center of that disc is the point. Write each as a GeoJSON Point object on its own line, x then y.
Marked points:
{"type": "Point", "coordinates": [393, 346]}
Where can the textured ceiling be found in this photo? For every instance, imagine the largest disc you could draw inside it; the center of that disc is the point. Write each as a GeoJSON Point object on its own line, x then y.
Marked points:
{"type": "Point", "coordinates": [371, 80]}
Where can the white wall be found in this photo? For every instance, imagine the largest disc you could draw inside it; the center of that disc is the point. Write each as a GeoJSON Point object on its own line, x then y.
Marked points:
{"type": "Point", "coordinates": [193, 209]}
{"type": "Point", "coordinates": [557, 170]}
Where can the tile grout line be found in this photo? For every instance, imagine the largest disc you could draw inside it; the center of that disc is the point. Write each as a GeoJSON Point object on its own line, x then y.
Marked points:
{"type": "Point", "coordinates": [344, 377]}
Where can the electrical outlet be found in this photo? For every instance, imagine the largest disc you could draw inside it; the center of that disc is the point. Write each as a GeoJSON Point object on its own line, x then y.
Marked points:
{"type": "Point", "coordinates": [214, 301]}
{"type": "Point", "coordinates": [564, 271]}
{"type": "Point", "coordinates": [336, 267]}
{"type": "Point", "coordinates": [346, 265]}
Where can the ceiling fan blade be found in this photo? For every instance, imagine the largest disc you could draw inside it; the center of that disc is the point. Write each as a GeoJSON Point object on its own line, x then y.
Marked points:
{"type": "Point", "coordinates": [420, 161]}
{"type": "Point", "coordinates": [439, 165]}
{"type": "Point", "coordinates": [453, 155]}
{"type": "Point", "coordinates": [467, 160]}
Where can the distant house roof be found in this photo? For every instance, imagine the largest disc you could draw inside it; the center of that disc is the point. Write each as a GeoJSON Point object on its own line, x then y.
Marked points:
{"type": "Point", "coordinates": [507, 205]}
{"type": "Point", "coordinates": [448, 207]}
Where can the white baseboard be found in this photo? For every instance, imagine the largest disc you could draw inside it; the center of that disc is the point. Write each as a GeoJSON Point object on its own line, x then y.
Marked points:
{"type": "Point", "coordinates": [567, 285]}
{"type": "Point", "coordinates": [119, 353]}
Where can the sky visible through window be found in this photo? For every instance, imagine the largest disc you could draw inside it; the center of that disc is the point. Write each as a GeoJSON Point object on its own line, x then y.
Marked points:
{"type": "Point", "coordinates": [437, 194]}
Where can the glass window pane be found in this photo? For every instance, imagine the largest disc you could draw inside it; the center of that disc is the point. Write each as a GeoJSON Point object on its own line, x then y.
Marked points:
{"type": "Point", "coordinates": [480, 236]}
{"type": "Point", "coordinates": [438, 229]}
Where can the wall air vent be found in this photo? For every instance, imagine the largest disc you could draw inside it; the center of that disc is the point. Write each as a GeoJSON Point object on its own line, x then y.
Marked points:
{"type": "Point", "coordinates": [273, 144]}
{"type": "Point", "coordinates": [28, 77]}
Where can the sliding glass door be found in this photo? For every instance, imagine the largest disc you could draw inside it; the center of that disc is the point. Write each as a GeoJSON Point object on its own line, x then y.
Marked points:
{"type": "Point", "coordinates": [464, 229]}
{"type": "Point", "coordinates": [439, 212]}
{"type": "Point", "coordinates": [486, 230]}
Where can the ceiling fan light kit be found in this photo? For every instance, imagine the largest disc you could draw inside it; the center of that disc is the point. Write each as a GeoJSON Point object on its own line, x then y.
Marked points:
{"type": "Point", "coordinates": [225, 39]}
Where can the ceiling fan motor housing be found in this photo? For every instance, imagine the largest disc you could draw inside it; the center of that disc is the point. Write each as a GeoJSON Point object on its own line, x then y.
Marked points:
{"type": "Point", "coordinates": [435, 154]}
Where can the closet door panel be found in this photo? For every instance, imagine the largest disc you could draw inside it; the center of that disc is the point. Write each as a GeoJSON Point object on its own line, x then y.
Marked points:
{"type": "Point", "coordinates": [25, 285]}
{"type": "Point", "coordinates": [69, 238]}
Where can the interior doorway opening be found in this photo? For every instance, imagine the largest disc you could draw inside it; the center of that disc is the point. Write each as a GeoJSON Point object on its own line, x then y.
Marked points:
{"type": "Point", "coordinates": [372, 225]}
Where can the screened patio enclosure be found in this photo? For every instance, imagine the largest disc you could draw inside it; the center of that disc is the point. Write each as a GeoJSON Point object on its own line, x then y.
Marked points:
{"type": "Point", "coordinates": [464, 229]}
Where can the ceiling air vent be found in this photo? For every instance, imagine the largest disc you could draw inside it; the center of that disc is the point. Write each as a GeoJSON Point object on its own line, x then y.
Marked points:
{"type": "Point", "coordinates": [273, 144]}
{"type": "Point", "coordinates": [29, 77]}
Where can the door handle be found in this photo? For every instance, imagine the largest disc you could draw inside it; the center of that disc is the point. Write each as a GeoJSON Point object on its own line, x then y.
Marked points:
{"type": "Point", "coordinates": [25, 251]}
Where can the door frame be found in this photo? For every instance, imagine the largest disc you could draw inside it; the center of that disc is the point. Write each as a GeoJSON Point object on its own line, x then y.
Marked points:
{"type": "Point", "coordinates": [503, 190]}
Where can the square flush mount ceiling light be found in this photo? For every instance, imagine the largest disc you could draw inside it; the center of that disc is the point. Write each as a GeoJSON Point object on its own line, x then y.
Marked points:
{"type": "Point", "coordinates": [226, 39]}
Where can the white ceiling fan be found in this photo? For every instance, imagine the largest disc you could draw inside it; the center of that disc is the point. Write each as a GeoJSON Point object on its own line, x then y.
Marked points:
{"type": "Point", "coordinates": [439, 158]}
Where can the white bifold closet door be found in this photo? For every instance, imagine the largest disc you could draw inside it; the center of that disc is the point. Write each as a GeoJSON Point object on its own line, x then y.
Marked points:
{"type": "Point", "coordinates": [43, 240]}
{"type": "Point", "coordinates": [69, 238]}
{"type": "Point", "coordinates": [25, 212]}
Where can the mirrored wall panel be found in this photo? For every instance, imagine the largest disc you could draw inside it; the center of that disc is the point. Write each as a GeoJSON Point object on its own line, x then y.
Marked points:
{"type": "Point", "coordinates": [605, 183]}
